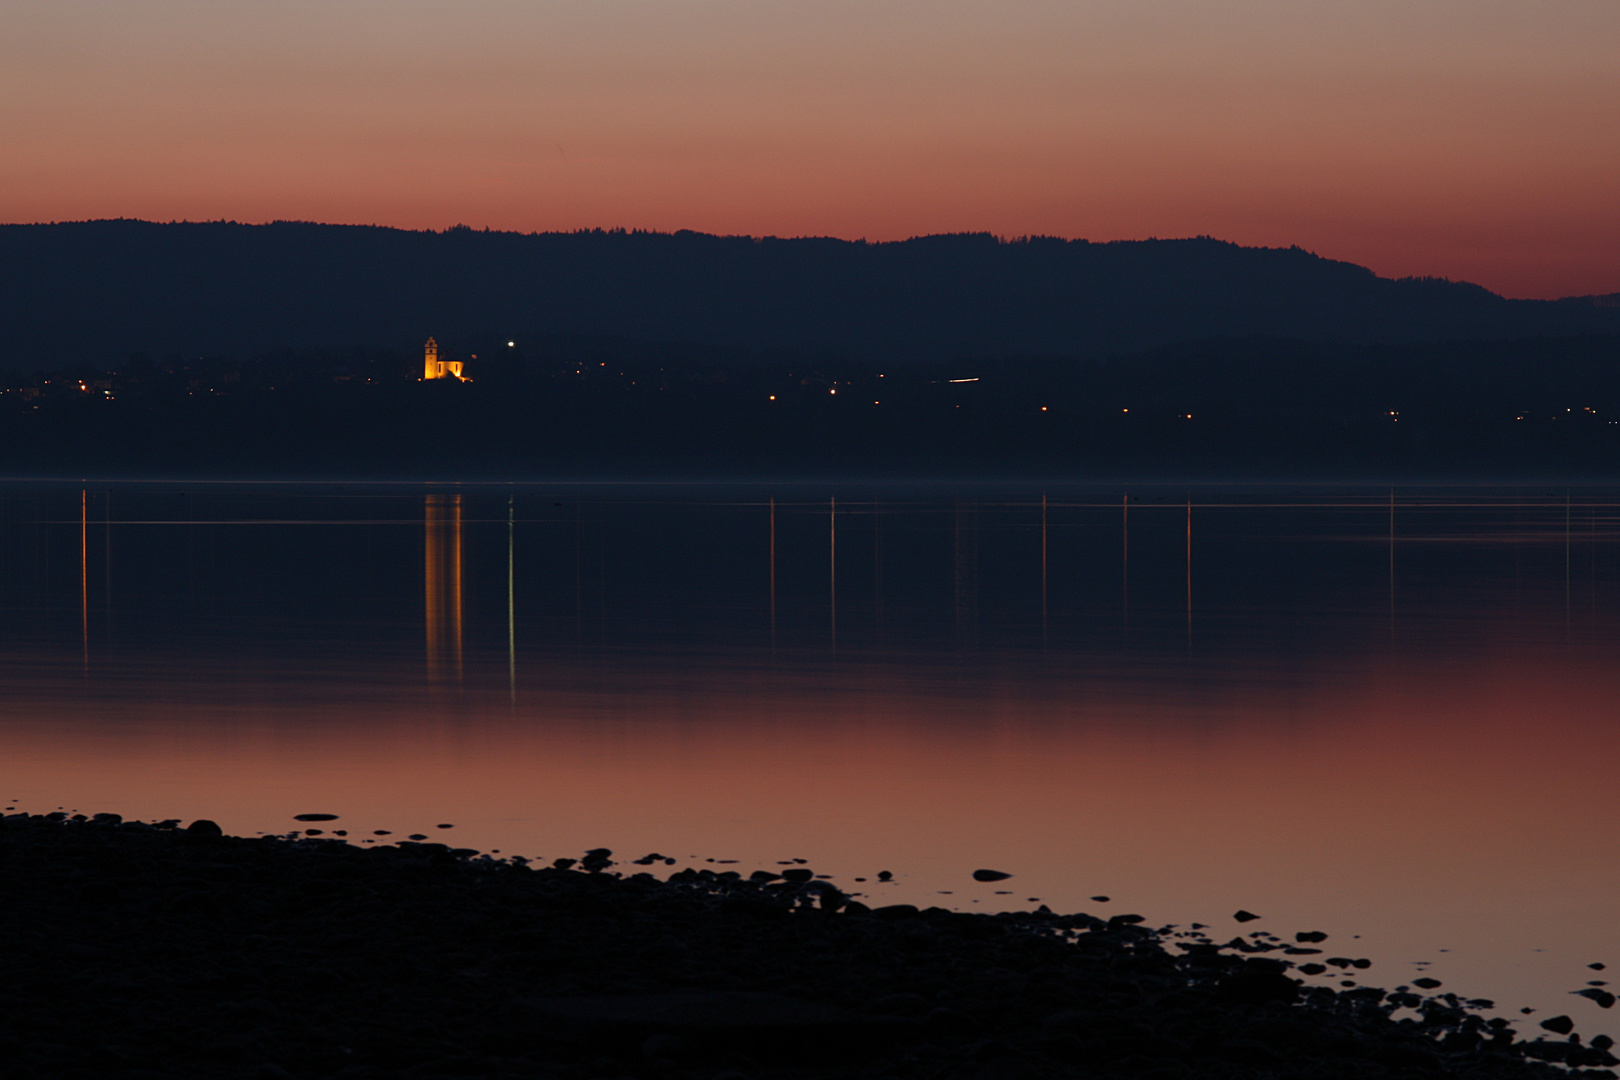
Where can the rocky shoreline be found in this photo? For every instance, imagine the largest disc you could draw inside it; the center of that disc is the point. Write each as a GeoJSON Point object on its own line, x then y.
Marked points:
{"type": "Point", "coordinates": [146, 950]}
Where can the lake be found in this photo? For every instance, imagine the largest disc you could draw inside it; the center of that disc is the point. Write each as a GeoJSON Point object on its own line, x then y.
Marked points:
{"type": "Point", "coordinates": [1389, 713]}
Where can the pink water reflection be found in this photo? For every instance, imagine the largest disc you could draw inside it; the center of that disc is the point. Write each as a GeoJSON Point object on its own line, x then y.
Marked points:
{"type": "Point", "coordinates": [1430, 799]}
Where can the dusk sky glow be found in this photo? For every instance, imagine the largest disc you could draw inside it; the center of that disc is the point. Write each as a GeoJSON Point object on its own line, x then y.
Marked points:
{"type": "Point", "coordinates": [1473, 139]}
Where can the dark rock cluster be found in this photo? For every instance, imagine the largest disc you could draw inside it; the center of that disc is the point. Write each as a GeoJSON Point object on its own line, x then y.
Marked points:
{"type": "Point", "coordinates": [146, 950]}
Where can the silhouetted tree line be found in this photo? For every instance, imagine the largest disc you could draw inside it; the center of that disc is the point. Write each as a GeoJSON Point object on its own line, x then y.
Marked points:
{"type": "Point", "coordinates": [580, 406]}
{"type": "Point", "coordinates": [83, 293]}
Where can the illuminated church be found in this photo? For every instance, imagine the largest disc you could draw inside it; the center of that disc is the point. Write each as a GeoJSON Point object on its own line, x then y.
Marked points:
{"type": "Point", "coordinates": [434, 368]}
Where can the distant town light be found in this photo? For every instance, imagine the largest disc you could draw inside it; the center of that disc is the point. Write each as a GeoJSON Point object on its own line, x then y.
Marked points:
{"type": "Point", "coordinates": [974, 379]}
{"type": "Point", "coordinates": [511, 344]}
{"type": "Point", "coordinates": [834, 390]}
{"type": "Point", "coordinates": [773, 397]}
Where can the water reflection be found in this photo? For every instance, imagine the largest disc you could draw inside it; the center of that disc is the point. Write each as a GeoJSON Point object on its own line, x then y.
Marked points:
{"type": "Point", "coordinates": [966, 581]}
{"type": "Point", "coordinates": [511, 600]}
{"type": "Point", "coordinates": [1044, 621]}
{"type": "Point", "coordinates": [772, 561]}
{"type": "Point", "coordinates": [1189, 571]}
{"type": "Point", "coordinates": [832, 570]}
{"type": "Point", "coordinates": [1438, 782]}
{"type": "Point", "coordinates": [442, 586]}
{"type": "Point", "coordinates": [1125, 559]}
{"type": "Point", "coordinates": [84, 576]}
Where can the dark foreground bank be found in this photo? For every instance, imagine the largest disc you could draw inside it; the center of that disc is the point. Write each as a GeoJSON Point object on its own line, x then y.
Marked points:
{"type": "Point", "coordinates": [131, 949]}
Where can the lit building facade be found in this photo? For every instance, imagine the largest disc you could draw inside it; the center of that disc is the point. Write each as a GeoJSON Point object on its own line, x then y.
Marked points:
{"type": "Point", "coordinates": [434, 368]}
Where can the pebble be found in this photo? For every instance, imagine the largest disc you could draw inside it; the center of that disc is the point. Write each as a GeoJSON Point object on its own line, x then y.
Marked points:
{"type": "Point", "coordinates": [990, 875]}
{"type": "Point", "coordinates": [315, 817]}
{"type": "Point", "coordinates": [1245, 916]}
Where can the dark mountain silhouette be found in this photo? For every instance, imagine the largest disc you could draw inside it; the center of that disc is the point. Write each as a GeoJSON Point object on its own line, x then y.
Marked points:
{"type": "Point", "coordinates": [94, 292]}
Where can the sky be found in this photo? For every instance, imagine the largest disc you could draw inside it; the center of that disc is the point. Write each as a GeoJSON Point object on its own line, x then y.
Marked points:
{"type": "Point", "coordinates": [1470, 139]}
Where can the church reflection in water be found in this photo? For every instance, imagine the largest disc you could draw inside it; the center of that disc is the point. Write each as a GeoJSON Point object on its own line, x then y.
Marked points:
{"type": "Point", "coordinates": [442, 522]}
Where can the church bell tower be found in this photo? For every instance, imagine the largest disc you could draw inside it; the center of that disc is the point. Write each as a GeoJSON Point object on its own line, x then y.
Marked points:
{"type": "Point", "coordinates": [430, 363]}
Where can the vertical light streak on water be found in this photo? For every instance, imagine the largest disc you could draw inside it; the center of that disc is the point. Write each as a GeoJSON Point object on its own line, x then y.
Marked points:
{"type": "Point", "coordinates": [877, 559]}
{"type": "Point", "coordinates": [442, 585]}
{"type": "Point", "coordinates": [84, 575]}
{"type": "Point", "coordinates": [1591, 558]}
{"type": "Point", "coordinates": [956, 572]}
{"type": "Point", "coordinates": [432, 594]}
{"type": "Point", "coordinates": [511, 607]}
{"type": "Point", "coordinates": [1043, 568]}
{"type": "Point", "coordinates": [773, 572]}
{"type": "Point", "coordinates": [1125, 557]}
{"type": "Point", "coordinates": [455, 582]}
{"type": "Point", "coordinates": [1189, 572]}
{"type": "Point", "coordinates": [106, 575]}
{"type": "Point", "coordinates": [832, 568]}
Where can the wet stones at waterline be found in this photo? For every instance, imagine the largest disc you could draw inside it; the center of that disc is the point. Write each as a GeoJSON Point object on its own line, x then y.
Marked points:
{"type": "Point", "coordinates": [140, 949]}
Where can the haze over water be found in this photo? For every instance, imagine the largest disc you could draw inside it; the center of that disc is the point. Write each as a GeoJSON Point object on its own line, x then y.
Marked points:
{"type": "Point", "coordinates": [1374, 712]}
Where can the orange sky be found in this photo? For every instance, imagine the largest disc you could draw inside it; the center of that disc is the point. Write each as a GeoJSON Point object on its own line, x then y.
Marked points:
{"type": "Point", "coordinates": [1475, 139]}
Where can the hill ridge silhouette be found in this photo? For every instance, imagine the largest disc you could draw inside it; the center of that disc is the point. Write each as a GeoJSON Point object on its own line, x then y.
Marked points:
{"type": "Point", "coordinates": [97, 291]}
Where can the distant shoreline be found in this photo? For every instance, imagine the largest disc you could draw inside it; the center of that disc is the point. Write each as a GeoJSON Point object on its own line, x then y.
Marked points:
{"type": "Point", "coordinates": [1211, 411]}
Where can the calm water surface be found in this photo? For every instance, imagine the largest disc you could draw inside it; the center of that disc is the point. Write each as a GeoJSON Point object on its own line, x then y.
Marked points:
{"type": "Point", "coordinates": [1375, 713]}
